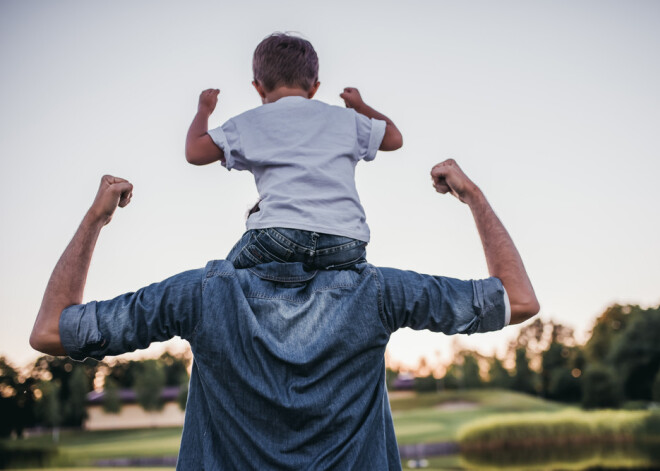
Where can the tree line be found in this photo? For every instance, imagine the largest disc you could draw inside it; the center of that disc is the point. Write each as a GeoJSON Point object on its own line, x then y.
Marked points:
{"type": "Point", "coordinates": [52, 392]}
{"type": "Point", "coordinates": [618, 366]}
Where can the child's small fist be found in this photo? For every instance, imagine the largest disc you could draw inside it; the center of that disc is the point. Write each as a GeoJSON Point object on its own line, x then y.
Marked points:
{"type": "Point", "coordinates": [351, 97]}
{"type": "Point", "coordinates": [208, 99]}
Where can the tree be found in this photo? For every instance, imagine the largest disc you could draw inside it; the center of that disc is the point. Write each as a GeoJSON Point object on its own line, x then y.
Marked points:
{"type": "Point", "coordinates": [608, 327]}
{"type": "Point", "coordinates": [564, 385]}
{"type": "Point", "coordinates": [523, 379]}
{"type": "Point", "coordinates": [174, 367]}
{"type": "Point", "coordinates": [426, 384]}
{"type": "Point", "coordinates": [390, 377]}
{"type": "Point", "coordinates": [600, 390]}
{"type": "Point", "coordinates": [555, 358]}
{"type": "Point", "coordinates": [125, 373]}
{"type": "Point", "coordinates": [499, 376]}
{"type": "Point", "coordinates": [49, 406]}
{"type": "Point", "coordinates": [16, 400]}
{"type": "Point", "coordinates": [471, 375]}
{"type": "Point", "coordinates": [635, 354]}
{"type": "Point", "coordinates": [149, 385]}
{"type": "Point", "coordinates": [656, 388]}
{"type": "Point", "coordinates": [182, 398]}
{"type": "Point", "coordinates": [111, 399]}
{"type": "Point", "coordinates": [61, 370]}
{"type": "Point", "coordinates": [74, 406]}
{"type": "Point", "coordinates": [453, 378]}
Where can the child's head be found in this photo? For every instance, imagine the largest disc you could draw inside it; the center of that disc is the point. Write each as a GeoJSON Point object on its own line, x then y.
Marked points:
{"type": "Point", "coordinates": [285, 60]}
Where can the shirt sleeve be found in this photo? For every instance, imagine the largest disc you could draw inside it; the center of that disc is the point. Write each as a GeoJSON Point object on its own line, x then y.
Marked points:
{"type": "Point", "coordinates": [442, 304]}
{"type": "Point", "coordinates": [227, 138]}
{"type": "Point", "coordinates": [370, 133]}
{"type": "Point", "coordinates": [134, 320]}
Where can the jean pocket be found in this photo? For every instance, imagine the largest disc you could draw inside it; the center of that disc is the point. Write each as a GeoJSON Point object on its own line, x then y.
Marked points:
{"type": "Point", "coordinates": [271, 248]}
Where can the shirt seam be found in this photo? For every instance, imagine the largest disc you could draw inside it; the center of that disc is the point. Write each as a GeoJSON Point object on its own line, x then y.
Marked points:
{"type": "Point", "coordinates": [209, 274]}
{"type": "Point", "coordinates": [379, 300]}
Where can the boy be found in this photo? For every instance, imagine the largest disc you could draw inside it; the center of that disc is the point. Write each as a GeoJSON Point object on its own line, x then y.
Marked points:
{"type": "Point", "coordinates": [302, 154]}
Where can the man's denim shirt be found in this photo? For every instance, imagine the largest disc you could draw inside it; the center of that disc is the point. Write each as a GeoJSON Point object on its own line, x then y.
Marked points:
{"type": "Point", "coordinates": [288, 368]}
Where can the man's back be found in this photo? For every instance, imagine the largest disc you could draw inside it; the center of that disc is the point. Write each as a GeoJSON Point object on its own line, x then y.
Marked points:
{"type": "Point", "coordinates": [289, 369]}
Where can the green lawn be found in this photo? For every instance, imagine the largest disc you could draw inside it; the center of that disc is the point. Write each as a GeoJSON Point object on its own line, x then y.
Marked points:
{"type": "Point", "coordinates": [425, 418]}
{"type": "Point", "coordinates": [436, 417]}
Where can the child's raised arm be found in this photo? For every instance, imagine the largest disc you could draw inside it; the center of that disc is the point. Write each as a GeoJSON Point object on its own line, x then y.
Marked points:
{"type": "Point", "coordinates": [200, 148]}
{"type": "Point", "coordinates": [392, 139]}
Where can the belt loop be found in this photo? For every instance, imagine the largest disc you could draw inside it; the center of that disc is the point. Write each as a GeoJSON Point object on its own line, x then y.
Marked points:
{"type": "Point", "coordinates": [315, 238]}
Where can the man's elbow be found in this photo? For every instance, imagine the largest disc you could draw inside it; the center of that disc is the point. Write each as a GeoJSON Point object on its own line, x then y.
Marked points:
{"type": "Point", "coordinates": [37, 341]}
{"type": "Point", "coordinates": [47, 343]}
{"type": "Point", "coordinates": [523, 311]}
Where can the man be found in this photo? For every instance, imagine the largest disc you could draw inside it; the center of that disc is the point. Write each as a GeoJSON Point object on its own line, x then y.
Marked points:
{"type": "Point", "coordinates": [289, 364]}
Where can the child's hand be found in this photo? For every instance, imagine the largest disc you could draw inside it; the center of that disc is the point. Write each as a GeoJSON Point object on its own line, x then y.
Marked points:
{"type": "Point", "coordinates": [207, 101]}
{"type": "Point", "coordinates": [352, 98]}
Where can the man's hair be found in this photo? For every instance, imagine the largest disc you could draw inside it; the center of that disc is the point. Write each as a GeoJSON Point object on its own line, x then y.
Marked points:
{"type": "Point", "coordinates": [282, 59]}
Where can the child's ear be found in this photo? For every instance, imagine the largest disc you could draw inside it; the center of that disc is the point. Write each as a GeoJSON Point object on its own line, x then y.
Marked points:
{"type": "Point", "coordinates": [312, 91]}
{"type": "Point", "coordinates": [260, 89]}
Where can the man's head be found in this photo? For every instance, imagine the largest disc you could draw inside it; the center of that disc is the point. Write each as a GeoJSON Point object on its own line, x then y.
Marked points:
{"type": "Point", "coordinates": [285, 60]}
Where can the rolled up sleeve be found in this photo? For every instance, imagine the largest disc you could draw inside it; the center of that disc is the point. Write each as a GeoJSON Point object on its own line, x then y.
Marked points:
{"type": "Point", "coordinates": [133, 321]}
{"type": "Point", "coordinates": [227, 138]}
{"type": "Point", "coordinates": [370, 133]}
{"type": "Point", "coordinates": [442, 304]}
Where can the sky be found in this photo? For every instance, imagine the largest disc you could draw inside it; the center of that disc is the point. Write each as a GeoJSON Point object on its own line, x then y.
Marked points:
{"type": "Point", "coordinates": [551, 107]}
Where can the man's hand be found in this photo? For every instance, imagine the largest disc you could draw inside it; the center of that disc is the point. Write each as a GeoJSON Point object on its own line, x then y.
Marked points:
{"type": "Point", "coordinates": [448, 177]}
{"type": "Point", "coordinates": [207, 101]}
{"type": "Point", "coordinates": [352, 98]}
{"type": "Point", "coordinates": [113, 192]}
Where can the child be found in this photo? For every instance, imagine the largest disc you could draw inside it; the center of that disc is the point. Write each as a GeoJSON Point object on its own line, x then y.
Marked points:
{"type": "Point", "coordinates": [302, 153]}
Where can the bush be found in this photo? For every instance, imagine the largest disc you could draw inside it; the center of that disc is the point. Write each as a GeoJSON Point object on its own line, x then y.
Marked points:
{"type": "Point", "coordinates": [426, 384]}
{"type": "Point", "coordinates": [552, 429]}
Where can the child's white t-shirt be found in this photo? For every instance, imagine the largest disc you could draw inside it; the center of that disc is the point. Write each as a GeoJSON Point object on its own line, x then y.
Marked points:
{"type": "Point", "coordinates": [302, 154]}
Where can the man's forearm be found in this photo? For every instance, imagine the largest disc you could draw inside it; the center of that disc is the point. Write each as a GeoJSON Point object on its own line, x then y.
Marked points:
{"type": "Point", "coordinates": [502, 257]}
{"type": "Point", "coordinates": [65, 287]}
{"type": "Point", "coordinates": [67, 282]}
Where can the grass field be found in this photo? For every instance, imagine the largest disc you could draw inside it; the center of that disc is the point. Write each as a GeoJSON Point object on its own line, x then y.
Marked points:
{"type": "Point", "coordinates": [425, 418]}
{"type": "Point", "coordinates": [429, 418]}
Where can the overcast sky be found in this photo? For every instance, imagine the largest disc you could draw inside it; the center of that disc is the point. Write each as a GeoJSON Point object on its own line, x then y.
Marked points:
{"type": "Point", "coordinates": [552, 107]}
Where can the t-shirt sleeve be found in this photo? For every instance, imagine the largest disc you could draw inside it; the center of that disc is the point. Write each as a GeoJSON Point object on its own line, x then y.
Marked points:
{"type": "Point", "coordinates": [370, 133]}
{"type": "Point", "coordinates": [134, 320]}
{"type": "Point", "coordinates": [227, 138]}
{"type": "Point", "coordinates": [442, 304]}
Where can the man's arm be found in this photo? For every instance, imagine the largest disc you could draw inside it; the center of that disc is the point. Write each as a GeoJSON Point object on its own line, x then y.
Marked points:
{"type": "Point", "coordinates": [392, 139]}
{"type": "Point", "coordinates": [502, 257]}
{"type": "Point", "coordinates": [67, 281]}
{"type": "Point", "coordinates": [200, 148]}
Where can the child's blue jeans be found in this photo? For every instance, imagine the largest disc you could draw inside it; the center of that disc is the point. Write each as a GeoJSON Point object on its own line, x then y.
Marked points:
{"type": "Point", "coordinates": [315, 250]}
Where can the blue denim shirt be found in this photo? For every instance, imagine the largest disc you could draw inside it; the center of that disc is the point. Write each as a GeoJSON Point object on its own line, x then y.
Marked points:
{"type": "Point", "coordinates": [288, 368]}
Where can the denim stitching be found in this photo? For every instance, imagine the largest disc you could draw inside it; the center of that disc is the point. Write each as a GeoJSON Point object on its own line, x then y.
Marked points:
{"type": "Point", "coordinates": [284, 279]}
{"type": "Point", "coordinates": [289, 244]}
{"type": "Point", "coordinates": [267, 233]}
{"type": "Point", "coordinates": [379, 297]}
